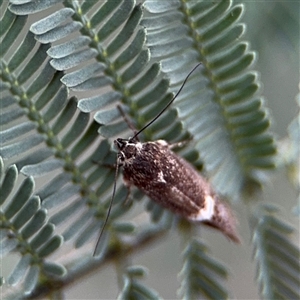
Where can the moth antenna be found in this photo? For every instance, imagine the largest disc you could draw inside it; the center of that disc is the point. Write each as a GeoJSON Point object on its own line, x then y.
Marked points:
{"type": "Point", "coordinates": [152, 121]}
{"type": "Point", "coordinates": [136, 133]}
{"type": "Point", "coordinates": [109, 208]}
{"type": "Point", "coordinates": [130, 125]}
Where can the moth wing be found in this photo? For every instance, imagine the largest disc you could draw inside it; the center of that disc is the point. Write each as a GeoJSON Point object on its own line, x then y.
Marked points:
{"type": "Point", "coordinates": [173, 198]}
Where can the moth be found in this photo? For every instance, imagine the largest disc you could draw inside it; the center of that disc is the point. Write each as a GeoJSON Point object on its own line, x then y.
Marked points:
{"type": "Point", "coordinates": [171, 181]}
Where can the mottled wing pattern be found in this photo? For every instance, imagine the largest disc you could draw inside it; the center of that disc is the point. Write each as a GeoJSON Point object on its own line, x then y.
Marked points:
{"type": "Point", "coordinates": [172, 182]}
{"type": "Point", "coordinates": [167, 179]}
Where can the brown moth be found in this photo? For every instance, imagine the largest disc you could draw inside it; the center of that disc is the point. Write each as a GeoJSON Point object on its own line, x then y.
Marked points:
{"type": "Point", "coordinates": [171, 181]}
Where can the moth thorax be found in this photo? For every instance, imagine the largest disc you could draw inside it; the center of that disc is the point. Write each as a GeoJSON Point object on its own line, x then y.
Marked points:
{"type": "Point", "coordinates": [130, 151]}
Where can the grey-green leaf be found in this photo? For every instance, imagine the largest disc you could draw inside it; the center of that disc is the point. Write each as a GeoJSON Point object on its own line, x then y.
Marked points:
{"type": "Point", "coordinates": [27, 212]}
{"type": "Point", "coordinates": [21, 197]}
{"type": "Point", "coordinates": [20, 270]}
{"type": "Point", "coordinates": [51, 21]}
{"type": "Point", "coordinates": [276, 256]}
{"type": "Point", "coordinates": [8, 182]}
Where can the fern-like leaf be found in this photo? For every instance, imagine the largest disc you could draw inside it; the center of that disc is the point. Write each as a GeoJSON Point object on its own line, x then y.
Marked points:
{"type": "Point", "coordinates": [54, 141]}
{"type": "Point", "coordinates": [133, 289]}
{"type": "Point", "coordinates": [100, 53]}
{"type": "Point", "coordinates": [25, 229]}
{"type": "Point", "coordinates": [278, 264]}
{"type": "Point", "coordinates": [51, 140]}
{"type": "Point", "coordinates": [221, 108]}
{"type": "Point", "coordinates": [199, 274]}
{"type": "Point", "coordinates": [120, 66]}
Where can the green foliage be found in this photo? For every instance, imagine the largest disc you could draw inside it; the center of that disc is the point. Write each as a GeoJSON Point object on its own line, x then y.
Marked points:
{"type": "Point", "coordinates": [24, 227]}
{"type": "Point", "coordinates": [62, 76]}
{"type": "Point", "coordinates": [200, 274]}
{"type": "Point", "coordinates": [228, 103]}
{"type": "Point", "coordinates": [277, 258]}
{"type": "Point", "coordinates": [132, 288]}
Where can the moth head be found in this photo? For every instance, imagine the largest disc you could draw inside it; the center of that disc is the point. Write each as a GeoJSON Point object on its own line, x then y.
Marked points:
{"type": "Point", "coordinates": [120, 143]}
{"type": "Point", "coordinates": [127, 149]}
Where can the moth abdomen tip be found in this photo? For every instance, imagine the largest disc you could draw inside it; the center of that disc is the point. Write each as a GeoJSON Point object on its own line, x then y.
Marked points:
{"type": "Point", "coordinates": [217, 214]}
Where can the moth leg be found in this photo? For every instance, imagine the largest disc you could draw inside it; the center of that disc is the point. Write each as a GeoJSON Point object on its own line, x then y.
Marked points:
{"type": "Point", "coordinates": [179, 144]}
{"type": "Point", "coordinates": [126, 119]}
{"type": "Point", "coordinates": [127, 198]}
{"type": "Point", "coordinates": [100, 164]}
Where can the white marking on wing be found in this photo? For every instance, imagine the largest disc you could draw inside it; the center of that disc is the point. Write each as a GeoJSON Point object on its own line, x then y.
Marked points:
{"type": "Point", "coordinates": [207, 211]}
{"type": "Point", "coordinates": [160, 143]}
{"type": "Point", "coordinates": [160, 177]}
{"type": "Point", "coordinates": [139, 146]}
